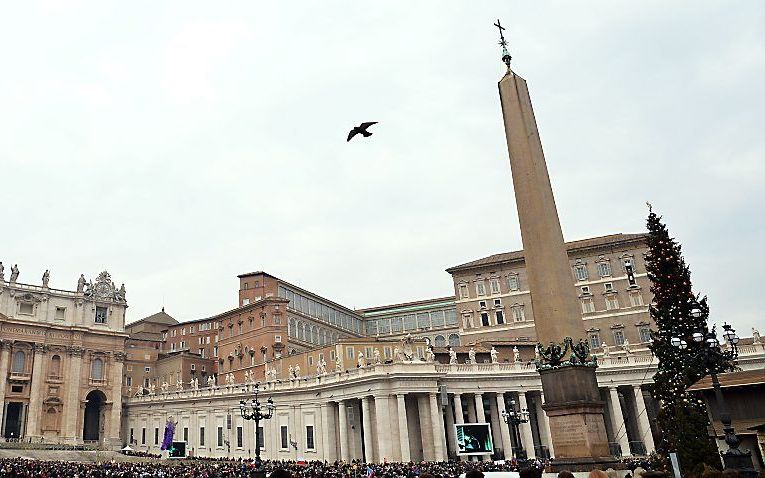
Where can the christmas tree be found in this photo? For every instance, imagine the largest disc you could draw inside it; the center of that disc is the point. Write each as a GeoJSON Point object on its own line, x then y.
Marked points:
{"type": "Point", "coordinates": [678, 312]}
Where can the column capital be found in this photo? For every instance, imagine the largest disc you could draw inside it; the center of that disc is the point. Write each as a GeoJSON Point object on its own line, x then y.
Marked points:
{"type": "Point", "coordinates": [40, 348]}
{"type": "Point", "coordinates": [75, 351]}
{"type": "Point", "coordinates": [637, 387]}
{"type": "Point", "coordinates": [5, 344]}
{"type": "Point", "coordinates": [120, 356]}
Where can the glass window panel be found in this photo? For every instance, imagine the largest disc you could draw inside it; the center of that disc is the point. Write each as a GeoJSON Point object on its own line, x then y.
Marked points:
{"type": "Point", "coordinates": [397, 324]}
{"type": "Point", "coordinates": [451, 316]}
{"type": "Point", "coordinates": [437, 318]}
{"type": "Point", "coordinates": [410, 322]}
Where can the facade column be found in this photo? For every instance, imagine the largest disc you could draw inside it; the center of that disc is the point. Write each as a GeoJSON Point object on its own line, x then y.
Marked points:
{"type": "Point", "coordinates": [366, 416]}
{"type": "Point", "coordinates": [480, 413]}
{"type": "Point", "coordinates": [507, 443]}
{"type": "Point", "coordinates": [345, 452]}
{"type": "Point", "coordinates": [116, 413]}
{"type": "Point", "coordinates": [438, 428]}
{"type": "Point", "coordinates": [544, 425]}
{"type": "Point", "coordinates": [35, 393]}
{"type": "Point", "coordinates": [72, 404]}
{"type": "Point", "coordinates": [526, 436]}
{"type": "Point", "coordinates": [644, 424]}
{"type": "Point", "coordinates": [403, 430]}
{"type": "Point", "coordinates": [384, 445]}
{"type": "Point", "coordinates": [328, 445]}
{"type": "Point", "coordinates": [458, 417]}
{"type": "Point", "coordinates": [617, 421]}
{"type": "Point", "coordinates": [451, 435]}
{"type": "Point", "coordinates": [5, 353]}
{"type": "Point", "coordinates": [494, 419]}
{"type": "Point", "coordinates": [426, 428]}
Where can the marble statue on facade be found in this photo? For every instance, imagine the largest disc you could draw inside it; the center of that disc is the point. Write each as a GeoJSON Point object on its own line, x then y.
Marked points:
{"type": "Point", "coordinates": [179, 385]}
{"type": "Point", "coordinates": [755, 336]}
{"type": "Point", "coordinates": [165, 387]}
{"type": "Point", "coordinates": [361, 361]}
{"type": "Point", "coordinates": [429, 355]}
{"type": "Point", "coordinates": [516, 354]}
{"type": "Point", "coordinates": [297, 371]}
{"type": "Point", "coordinates": [139, 391]}
{"type": "Point", "coordinates": [397, 356]}
{"type": "Point", "coordinates": [321, 367]}
{"type": "Point", "coordinates": [152, 388]}
{"type": "Point", "coordinates": [626, 346]}
{"type": "Point", "coordinates": [339, 364]}
{"type": "Point", "coordinates": [211, 381]}
{"type": "Point", "coordinates": [406, 344]}
{"type": "Point", "coordinates": [195, 384]}
{"type": "Point", "coordinates": [452, 356]}
{"type": "Point", "coordinates": [81, 284]}
{"type": "Point", "coordinates": [377, 358]}
{"type": "Point", "coordinates": [46, 278]}
{"type": "Point", "coordinates": [291, 372]}
{"type": "Point", "coordinates": [494, 355]}
{"type": "Point", "coordinates": [2, 271]}
{"type": "Point", "coordinates": [272, 373]}
{"type": "Point", "coordinates": [121, 293]}
{"type": "Point", "coordinates": [471, 356]}
{"type": "Point", "coordinates": [606, 349]}
{"type": "Point", "coordinates": [14, 272]}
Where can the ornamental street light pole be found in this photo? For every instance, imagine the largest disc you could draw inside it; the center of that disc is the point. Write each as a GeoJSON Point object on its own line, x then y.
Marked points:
{"type": "Point", "coordinates": [514, 417]}
{"type": "Point", "coordinates": [709, 352]}
{"type": "Point", "coordinates": [255, 412]}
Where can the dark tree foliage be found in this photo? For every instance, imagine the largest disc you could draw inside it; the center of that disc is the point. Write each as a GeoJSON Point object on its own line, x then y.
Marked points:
{"type": "Point", "coordinates": [682, 417]}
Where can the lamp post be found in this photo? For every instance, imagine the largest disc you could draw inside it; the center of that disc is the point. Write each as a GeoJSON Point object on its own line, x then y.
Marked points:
{"type": "Point", "coordinates": [709, 352]}
{"type": "Point", "coordinates": [514, 417]}
{"type": "Point", "coordinates": [255, 412]}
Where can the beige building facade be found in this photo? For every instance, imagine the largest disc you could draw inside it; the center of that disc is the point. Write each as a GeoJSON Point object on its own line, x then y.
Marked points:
{"type": "Point", "coordinates": [61, 361]}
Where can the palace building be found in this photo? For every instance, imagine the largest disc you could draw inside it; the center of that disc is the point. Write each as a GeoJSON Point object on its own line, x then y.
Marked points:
{"type": "Point", "coordinates": [61, 361]}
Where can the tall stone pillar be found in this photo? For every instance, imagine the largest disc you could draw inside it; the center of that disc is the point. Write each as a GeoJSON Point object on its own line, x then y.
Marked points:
{"type": "Point", "coordinates": [458, 417]}
{"type": "Point", "coordinates": [426, 428]}
{"type": "Point", "coordinates": [617, 419]}
{"type": "Point", "coordinates": [403, 430]}
{"type": "Point", "coordinates": [366, 416]}
{"type": "Point", "coordinates": [438, 428]}
{"type": "Point", "coordinates": [480, 413]}
{"type": "Point", "coordinates": [544, 424]}
{"type": "Point", "coordinates": [5, 353]}
{"type": "Point", "coordinates": [526, 435]}
{"type": "Point", "coordinates": [384, 444]}
{"type": "Point", "coordinates": [36, 393]}
{"type": "Point", "coordinates": [115, 417]}
{"type": "Point", "coordinates": [451, 435]}
{"type": "Point", "coordinates": [507, 443]}
{"type": "Point", "coordinates": [644, 424]}
{"type": "Point", "coordinates": [72, 405]}
{"type": "Point", "coordinates": [496, 430]}
{"type": "Point", "coordinates": [345, 452]}
{"type": "Point", "coordinates": [328, 445]}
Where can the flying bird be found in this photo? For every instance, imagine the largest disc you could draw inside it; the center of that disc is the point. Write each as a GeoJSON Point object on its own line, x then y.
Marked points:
{"type": "Point", "coordinates": [361, 129]}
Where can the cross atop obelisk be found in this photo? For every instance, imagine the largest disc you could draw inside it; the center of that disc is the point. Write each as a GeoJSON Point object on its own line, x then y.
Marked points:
{"type": "Point", "coordinates": [503, 43]}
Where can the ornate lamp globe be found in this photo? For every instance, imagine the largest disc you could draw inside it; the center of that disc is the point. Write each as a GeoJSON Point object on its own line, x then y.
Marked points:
{"type": "Point", "coordinates": [698, 337]}
{"type": "Point", "coordinates": [696, 313]}
{"type": "Point", "coordinates": [683, 345]}
{"type": "Point", "coordinates": [675, 341]}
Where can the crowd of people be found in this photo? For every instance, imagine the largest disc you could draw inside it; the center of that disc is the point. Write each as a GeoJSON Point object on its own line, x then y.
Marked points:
{"type": "Point", "coordinates": [194, 468]}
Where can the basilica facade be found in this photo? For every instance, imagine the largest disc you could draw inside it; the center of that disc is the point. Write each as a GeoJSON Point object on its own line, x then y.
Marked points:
{"type": "Point", "coordinates": [61, 360]}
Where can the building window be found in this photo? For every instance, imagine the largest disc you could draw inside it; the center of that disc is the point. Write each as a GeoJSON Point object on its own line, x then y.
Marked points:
{"type": "Point", "coordinates": [19, 365]}
{"type": "Point", "coordinates": [349, 353]}
{"type": "Point", "coordinates": [512, 282]}
{"type": "Point", "coordinates": [580, 270]}
{"type": "Point", "coordinates": [629, 269]}
{"type": "Point", "coordinates": [260, 438]}
{"type": "Point", "coordinates": [239, 438]}
{"type": "Point", "coordinates": [309, 442]}
{"type": "Point", "coordinates": [310, 360]}
{"type": "Point", "coordinates": [604, 269]}
{"type": "Point", "coordinates": [26, 308]}
{"type": "Point", "coordinates": [494, 285]}
{"type": "Point", "coordinates": [147, 369]}
{"type": "Point", "coordinates": [484, 319]}
{"type": "Point", "coordinates": [201, 436]}
{"type": "Point", "coordinates": [284, 437]}
{"type": "Point", "coordinates": [440, 341]}
{"type": "Point", "coordinates": [612, 303]}
{"type": "Point", "coordinates": [60, 313]}
{"type": "Point", "coordinates": [480, 288]}
{"type": "Point", "coordinates": [619, 337]}
{"type": "Point", "coordinates": [636, 299]}
{"type": "Point", "coordinates": [129, 381]}
{"type": "Point", "coordinates": [186, 434]}
{"type": "Point", "coordinates": [387, 353]}
{"type": "Point", "coordinates": [519, 315]}
{"type": "Point", "coordinates": [156, 436]}
{"type": "Point", "coordinates": [594, 340]}
{"type": "Point", "coordinates": [482, 304]}
{"type": "Point", "coordinates": [500, 317]}
{"type": "Point", "coordinates": [464, 294]}
{"type": "Point", "coordinates": [220, 437]}
{"type": "Point", "coordinates": [497, 302]}
{"type": "Point", "coordinates": [100, 315]}
{"type": "Point", "coordinates": [645, 334]}
{"type": "Point", "coordinates": [585, 290]}
{"type": "Point", "coordinates": [454, 340]}
{"type": "Point", "coordinates": [143, 436]}
{"type": "Point", "coordinates": [608, 286]}
{"type": "Point", "coordinates": [97, 369]}
{"type": "Point", "coordinates": [588, 306]}
{"type": "Point", "coordinates": [132, 440]}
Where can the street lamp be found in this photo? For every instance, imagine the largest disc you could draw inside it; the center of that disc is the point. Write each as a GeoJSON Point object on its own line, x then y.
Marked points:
{"type": "Point", "coordinates": [255, 412]}
{"type": "Point", "coordinates": [514, 418]}
{"type": "Point", "coordinates": [709, 352]}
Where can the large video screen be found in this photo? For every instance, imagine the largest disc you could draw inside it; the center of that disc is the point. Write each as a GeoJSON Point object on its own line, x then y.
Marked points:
{"type": "Point", "coordinates": [474, 439]}
{"type": "Point", "coordinates": [178, 450]}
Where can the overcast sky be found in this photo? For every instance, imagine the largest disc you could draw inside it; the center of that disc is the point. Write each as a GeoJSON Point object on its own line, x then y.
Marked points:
{"type": "Point", "coordinates": [180, 144]}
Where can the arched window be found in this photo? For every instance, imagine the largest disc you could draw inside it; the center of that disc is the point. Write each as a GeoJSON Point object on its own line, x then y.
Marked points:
{"type": "Point", "coordinates": [314, 336]}
{"type": "Point", "coordinates": [97, 369]}
{"type": "Point", "coordinates": [55, 366]}
{"type": "Point", "coordinates": [19, 359]}
{"type": "Point", "coordinates": [454, 340]}
{"type": "Point", "coordinates": [300, 331]}
{"type": "Point", "coordinates": [291, 328]}
{"type": "Point", "coordinates": [440, 341]}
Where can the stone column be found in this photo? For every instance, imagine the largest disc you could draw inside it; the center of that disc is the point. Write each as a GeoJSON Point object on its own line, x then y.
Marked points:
{"type": "Point", "coordinates": [438, 428]}
{"type": "Point", "coordinates": [403, 430]}
{"type": "Point", "coordinates": [544, 424]}
{"type": "Point", "coordinates": [526, 436]}
{"type": "Point", "coordinates": [458, 417]}
{"type": "Point", "coordinates": [644, 424]}
{"type": "Point", "coordinates": [480, 413]}
{"type": "Point", "coordinates": [366, 415]}
{"type": "Point", "coordinates": [5, 353]}
{"type": "Point", "coordinates": [451, 435]}
{"type": "Point", "coordinates": [507, 443]}
{"type": "Point", "coordinates": [36, 393]}
{"type": "Point", "coordinates": [72, 403]}
{"type": "Point", "coordinates": [384, 444]}
{"type": "Point", "coordinates": [617, 420]}
{"type": "Point", "coordinates": [118, 360]}
{"type": "Point", "coordinates": [345, 452]}
{"type": "Point", "coordinates": [494, 419]}
{"type": "Point", "coordinates": [426, 428]}
{"type": "Point", "coordinates": [328, 445]}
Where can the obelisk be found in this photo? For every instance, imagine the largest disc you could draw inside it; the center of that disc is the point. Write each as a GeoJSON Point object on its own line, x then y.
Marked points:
{"type": "Point", "coordinates": [572, 399]}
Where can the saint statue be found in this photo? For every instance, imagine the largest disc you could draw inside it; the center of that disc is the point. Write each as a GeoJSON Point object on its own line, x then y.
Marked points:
{"type": "Point", "coordinates": [494, 354]}
{"type": "Point", "coordinates": [626, 346]}
{"type": "Point", "coordinates": [81, 284]}
{"type": "Point", "coordinates": [361, 361]}
{"type": "Point", "coordinates": [2, 271]}
{"type": "Point", "coordinates": [292, 372]}
{"type": "Point", "coordinates": [397, 354]}
{"type": "Point", "coordinates": [14, 272]}
{"type": "Point", "coordinates": [516, 354]}
{"type": "Point", "coordinates": [179, 385]}
{"type": "Point", "coordinates": [297, 371]}
{"type": "Point", "coordinates": [755, 334]}
{"type": "Point", "coordinates": [429, 355]}
{"type": "Point", "coordinates": [606, 349]}
{"type": "Point", "coordinates": [471, 355]}
{"type": "Point", "coordinates": [452, 356]}
{"type": "Point", "coordinates": [339, 364]}
{"type": "Point", "coordinates": [210, 381]}
{"type": "Point", "coordinates": [46, 278]}
{"type": "Point", "coordinates": [121, 293]}
{"type": "Point", "coordinates": [377, 358]}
